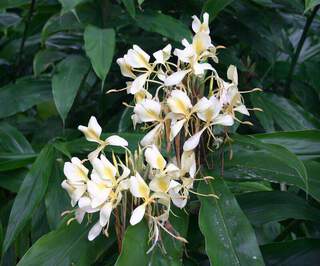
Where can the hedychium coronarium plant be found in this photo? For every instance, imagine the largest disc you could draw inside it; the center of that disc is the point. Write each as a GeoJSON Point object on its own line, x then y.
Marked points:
{"type": "Point", "coordinates": [185, 109]}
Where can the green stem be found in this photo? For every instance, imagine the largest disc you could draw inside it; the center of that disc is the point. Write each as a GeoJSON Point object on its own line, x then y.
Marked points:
{"type": "Point", "coordinates": [299, 48]}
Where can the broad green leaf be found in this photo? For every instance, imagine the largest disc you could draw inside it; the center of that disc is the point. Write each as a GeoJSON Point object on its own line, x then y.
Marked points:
{"type": "Point", "coordinates": [292, 253]}
{"type": "Point", "coordinates": [309, 4]}
{"type": "Point", "coordinates": [135, 246]}
{"type": "Point", "coordinates": [253, 159]}
{"type": "Point", "coordinates": [264, 207]}
{"type": "Point", "coordinates": [12, 140]}
{"type": "Point", "coordinates": [1, 236]}
{"type": "Point", "coordinates": [214, 7]}
{"type": "Point", "coordinates": [13, 3]}
{"type": "Point", "coordinates": [44, 58]}
{"type": "Point", "coordinates": [30, 194]}
{"type": "Point", "coordinates": [68, 5]}
{"type": "Point", "coordinates": [229, 237]}
{"type": "Point", "coordinates": [58, 23]}
{"type": "Point", "coordinates": [164, 25]}
{"type": "Point", "coordinates": [130, 6]}
{"type": "Point", "coordinates": [67, 81]}
{"type": "Point", "coordinates": [68, 245]}
{"type": "Point", "coordinates": [313, 170]}
{"type": "Point", "coordinates": [12, 180]}
{"type": "Point", "coordinates": [8, 20]}
{"type": "Point", "coordinates": [11, 161]}
{"type": "Point", "coordinates": [23, 95]}
{"type": "Point", "coordinates": [99, 45]}
{"type": "Point", "coordinates": [305, 144]}
{"type": "Point", "coordinates": [56, 199]}
{"type": "Point", "coordinates": [279, 112]}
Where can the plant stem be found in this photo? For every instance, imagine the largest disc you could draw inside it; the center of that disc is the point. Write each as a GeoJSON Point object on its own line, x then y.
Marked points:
{"type": "Point", "coordinates": [24, 37]}
{"type": "Point", "coordinates": [299, 48]}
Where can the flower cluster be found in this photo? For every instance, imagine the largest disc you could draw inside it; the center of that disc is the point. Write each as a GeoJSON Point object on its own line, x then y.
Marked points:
{"type": "Point", "coordinates": [179, 103]}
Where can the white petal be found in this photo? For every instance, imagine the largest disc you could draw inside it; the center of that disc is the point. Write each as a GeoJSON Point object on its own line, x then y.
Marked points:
{"type": "Point", "coordinates": [79, 215]}
{"type": "Point", "coordinates": [138, 187]}
{"type": "Point", "coordinates": [175, 128]}
{"type": "Point", "coordinates": [196, 24]}
{"type": "Point", "coordinates": [242, 109]}
{"type": "Point", "coordinates": [125, 68]}
{"type": "Point", "coordinates": [224, 120]}
{"type": "Point", "coordinates": [175, 78]}
{"type": "Point", "coordinates": [232, 74]}
{"type": "Point", "coordinates": [199, 68]}
{"type": "Point", "coordinates": [188, 163]}
{"type": "Point", "coordinates": [105, 169]}
{"type": "Point", "coordinates": [152, 136]}
{"type": "Point", "coordinates": [148, 110]}
{"type": "Point", "coordinates": [201, 42]}
{"type": "Point", "coordinates": [138, 84]}
{"type": "Point", "coordinates": [137, 58]}
{"type": "Point", "coordinates": [137, 214]}
{"type": "Point", "coordinates": [115, 140]}
{"type": "Point", "coordinates": [154, 158]}
{"type": "Point", "coordinates": [94, 231]}
{"type": "Point", "coordinates": [93, 131]}
{"type": "Point", "coordinates": [179, 102]}
{"type": "Point", "coordinates": [160, 184]}
{"type": "Point", "coordinates": [193, 141]}
{"type": "Point", "coordinates": [177, 199]}
{"type": "Point", "coordinates": [105, 213]}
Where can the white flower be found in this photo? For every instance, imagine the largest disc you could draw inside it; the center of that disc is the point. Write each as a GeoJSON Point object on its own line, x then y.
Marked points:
{"type": "Point", "coordinates": [193, 141]}
{"type": "Point", "coordinates": [179, 102]}
{"type": "Point", "coordinates": [77, 177]}
{"type": "Point", "coordinates": [147, 111]}
{"type": "Point", "coordinates": [93, 131]}
{"type": "Point", "coordinates": [163, 55]}
{"type": "Point", "coordinates": [197, 26]}
{"type": "Point", "coordinates": [137, 58]}
{"type": "Point", "coordinates": [125, 68]}
{"type": "Point", "coordinates": [154, 158]}
{"type": "Point", "coordinates": [152, 136]}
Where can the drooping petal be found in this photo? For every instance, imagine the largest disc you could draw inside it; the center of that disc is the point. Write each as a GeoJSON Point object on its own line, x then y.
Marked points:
{"type": "Point", "coordinates": [232, 74]}
{"type": "Point", "coordinates": [137, 214]}
{"type": "Point", "coordinates": [152, 136]}
{"type": "Point", "coordinates": [175, 78]}
{"type": "Point", "coordinates": [115, 140]}
{"type": "Point", "coordinates": [224, 120]}
{"type": "Point", "coordinates": [93, 131]}
{"type": "Point", "coordinates": [193, 141]}
{"type": "Point", "coordinates": [154, 158]}
{"type": "Point", "coordinates": [176, 127]}
{"type": "Point", "coordinates": [94, 231]}
{"type": "Point", "coordinates": [138, 187]}
{"type": "Point", "coordinates": [105, 213]}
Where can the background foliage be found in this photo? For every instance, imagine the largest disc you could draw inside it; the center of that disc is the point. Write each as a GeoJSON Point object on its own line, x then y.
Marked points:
{"type": "Point", "coordinates": [57, 59]}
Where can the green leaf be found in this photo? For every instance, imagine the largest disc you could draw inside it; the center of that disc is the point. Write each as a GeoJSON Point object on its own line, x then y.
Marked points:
{"type": "Point", "coordinates": [279, 112]}
{"type": "Point", "coordinates": [214, 7]}
{"type": "Point", "coordinates": [292, 253]}
{"type": "Point", "coordinates": [56, 199]}
{"type": "Point", "coordinates": [264, 207]}
{"type": "Point", "coordinates": [67, 81]}
{"type": "Point", "coordinates": [68, 245]}
{"type": "Point", "coordinates": [135, 246]}
{"type": "Point", "coordinates": [44, 58]}
{"type": "Point", "coordinates": [305, 144]}
{"type": "Point", "coordinates": [12, 180]}
{"type": "Point", "coordinates": [8, 20]}
{"type": "Point", "coordinates": [23, 95]}
{"type": "Point", "coordinates": [164, 25]}
{"type": "Point", "coordinates": [58, 23]}
{"type": "Point", "coordinates": [99, 45]}
{"type": "Point", "coordinates": [12, 140]}
{"type": "Point", "coordinates": [68, 5]}
{"type": "Point", "coordinates": [309, 4]}
{"type": "Point", "coordinates": [253, 159]}
{"type": "Point", "coordinates": [30, 194]}
{"type": "Point", "coordinates": [11, 161]}
{"type": "Point", "coordinates": [130, 6]}
{"type": "Point", "coordinates": [4, 4]}
{"type": "Point", "coordinates": [229, 237]}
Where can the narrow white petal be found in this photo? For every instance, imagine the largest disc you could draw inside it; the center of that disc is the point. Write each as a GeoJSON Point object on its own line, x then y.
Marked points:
{"type": "Point", "coordinates": [137, 214]}
{"type": "Point", "coordinates": [93, 131]}
{"type": "Point", "coordinates": [138, 187]}
{"type": "Point", "coordinates": [224, 120]}
{"type": "Point", "coordinates": [152, 136]}
{"type": "Point", "coordinates": [175, 78]}
{"type": "Point", "coordinates": [115, 140]}
{"type": "Point", "coordinates": [105, 213]}
{"type": "Point", "coordinates": [138, 84]}
{"type": "Point", "coordinates": [232, 74]}
{"type": "Point", "coordinates": [176, 127]}
{"type": "Point", "coordinates": [242, 109]}
{"type": "Point", "coordinates": [193, 141]}
{"type": "Point", "coordinates": [94, 231]}
{"type": "Point", "coordinates": [154, 158]}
